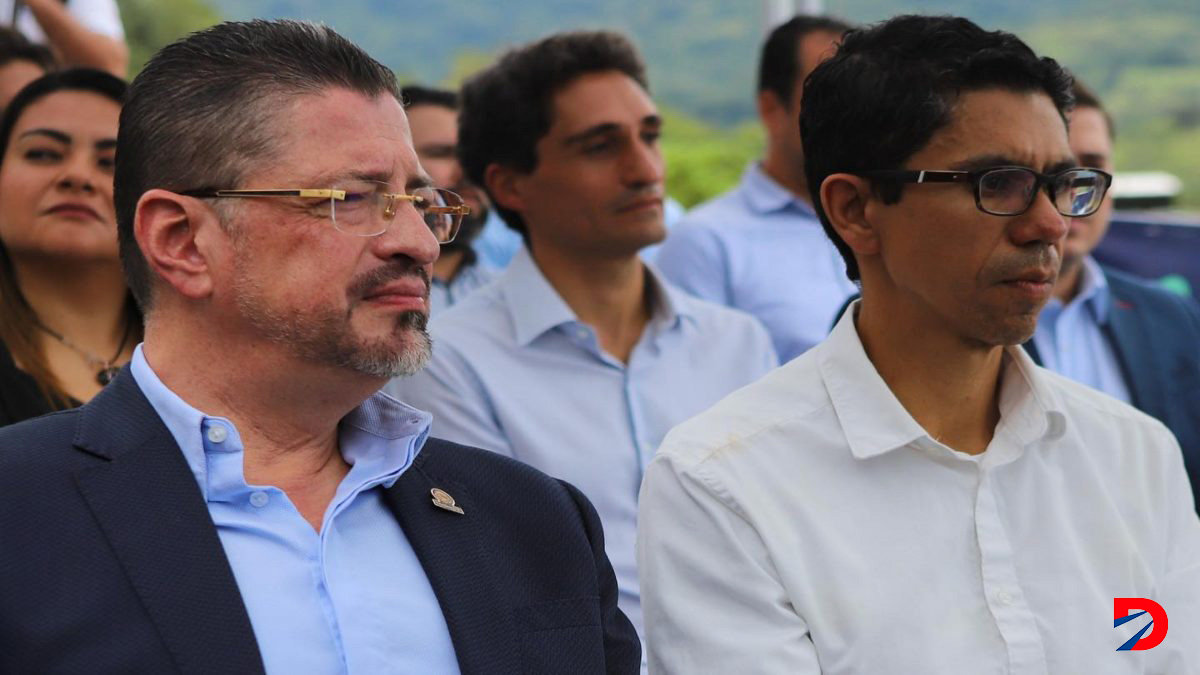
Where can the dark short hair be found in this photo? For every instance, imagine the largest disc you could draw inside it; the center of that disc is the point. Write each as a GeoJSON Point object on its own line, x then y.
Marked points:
{"type": "Point", "coordinates": [779, 64]}
{"type": "Point", "coordinates": [414, 95]}
{"type": "Point", "coordinates": [507, 107]}
{"type": "Point", "coordinates": [202, 112]}
{"type": "Point", "coordinates": [1086, 98]}
{"type": "Point", "coordinates": [74, 79]}
{"type": "Point", "coordinates": [14, 46]}
{"type": "Point", "coordinates": [891, 86]}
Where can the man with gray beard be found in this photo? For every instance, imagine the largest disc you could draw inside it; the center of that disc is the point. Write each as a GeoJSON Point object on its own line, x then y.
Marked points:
{"type": "Point", "coordinates": [240, 499]}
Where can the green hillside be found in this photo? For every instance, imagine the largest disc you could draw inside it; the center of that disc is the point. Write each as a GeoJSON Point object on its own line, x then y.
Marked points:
{"type": "Point", "coordinates": [1143, 58]}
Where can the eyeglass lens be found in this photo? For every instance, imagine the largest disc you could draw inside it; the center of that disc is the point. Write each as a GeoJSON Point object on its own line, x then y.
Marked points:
{"type": "Point", "coordinates": [369, 206]}
{"type": "Point", "coordinates": [1010, 191]}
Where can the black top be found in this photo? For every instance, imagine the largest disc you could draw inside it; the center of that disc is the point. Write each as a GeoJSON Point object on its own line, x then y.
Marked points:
{"type": "Point", "coordinates": [20, 397]}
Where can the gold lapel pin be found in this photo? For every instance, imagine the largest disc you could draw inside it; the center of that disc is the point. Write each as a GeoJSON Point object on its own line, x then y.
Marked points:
{"type": "Point", "coordinates": [443, 500]}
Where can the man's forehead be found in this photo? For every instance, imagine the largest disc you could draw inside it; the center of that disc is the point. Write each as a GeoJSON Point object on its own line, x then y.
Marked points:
{"type": "Point", "coordinates": [812, 49]}
{"type": "Point", "coordinates": [602, 98]}
{"type": "Point", "coordinates": [342, 131]}
{"type": "Point", "coordinates": [428, 116]}
{"type": "Point", "coordinates": [1002, 126]}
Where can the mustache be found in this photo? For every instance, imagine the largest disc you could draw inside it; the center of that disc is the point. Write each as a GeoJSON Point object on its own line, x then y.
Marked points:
{"type": "Point", "coordinates": [369, 281]}
{"type": "Point", "coordinates": [630, 197]}
{"type": "Point", "coordinates": [1043, 257]}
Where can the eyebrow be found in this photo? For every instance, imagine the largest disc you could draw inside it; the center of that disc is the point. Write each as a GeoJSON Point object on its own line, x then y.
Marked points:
{"type": "Point", "coordinates": [1091, 158]}
{"type": "Point", "coordinates": [991, 161]}
{"type": "Point", "coordinates": [608, 128]}
{"type": "Point", "coordinates": [57, 135]}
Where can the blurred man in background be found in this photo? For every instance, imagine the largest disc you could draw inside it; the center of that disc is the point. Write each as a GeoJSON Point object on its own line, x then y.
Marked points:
{"type": "Point", "coordinates": [759, 247]}
{"type": "Point", "coordinates": [433, 117]}
{"type": "Point", "coordinates": [578, 358]}
{"type": "Point", "coordinates": [1134, 341]}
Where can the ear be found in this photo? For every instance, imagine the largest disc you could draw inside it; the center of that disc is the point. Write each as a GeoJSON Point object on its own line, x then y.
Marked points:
{"type": "Point", "coordinates": [168, 229]}
{"type": "Point", "coordinates": [846, 199]}
{"type": "Point", "coordinates": [769, 107]}
{"type": "Point", "coordinates": [504, 184]}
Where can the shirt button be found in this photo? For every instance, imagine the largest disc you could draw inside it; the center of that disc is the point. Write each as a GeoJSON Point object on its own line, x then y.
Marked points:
{"type": "Point", "coordinates": [1004, 598]}
{"type": "Point", "coordinates": [259, 499]}
{"type": "Point", "coordinates": [217, 433]}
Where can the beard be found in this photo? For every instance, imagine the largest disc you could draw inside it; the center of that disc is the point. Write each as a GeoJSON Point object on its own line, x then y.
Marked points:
{"type": "Point", "coordinates": [327, 336]}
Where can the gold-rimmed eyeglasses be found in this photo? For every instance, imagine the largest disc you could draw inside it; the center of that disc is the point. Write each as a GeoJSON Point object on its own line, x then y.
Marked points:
{"type": "Point", "coordinates": [365, 208]}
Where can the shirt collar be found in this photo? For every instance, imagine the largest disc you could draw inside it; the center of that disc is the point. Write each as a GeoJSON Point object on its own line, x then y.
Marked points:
{"type": "Point", "coordinates": [764, 195]}
{"type": "Point", "coordinates": [1093, 289]}
{"type": "Point", "coordinates": [874, 421]}
{"type": "Point", "coordinates": [380, 418]}
{"type": "Point", "coordinates": [536, 307]}
{"type": "Point", "coordinates": [1093, 294]}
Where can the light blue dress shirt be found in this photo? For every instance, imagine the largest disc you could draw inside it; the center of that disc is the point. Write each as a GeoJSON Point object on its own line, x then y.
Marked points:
{"type": "Point", "coordinates": [1070, 338]}
{"type": "Point", "coordinates": [443, 295]}
{"type": "Point", "coordinates": [761, 249]}
{"type": "Point", "coordinates": [350, 599]}
{"type": "Point", "coordinates": [497, 243]}
{"type": "Point", "coordinates": [516, 372]}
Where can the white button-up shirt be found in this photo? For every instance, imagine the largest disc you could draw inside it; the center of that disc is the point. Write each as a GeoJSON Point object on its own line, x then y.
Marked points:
{"type": "Point", "coordinates": [808, 524]}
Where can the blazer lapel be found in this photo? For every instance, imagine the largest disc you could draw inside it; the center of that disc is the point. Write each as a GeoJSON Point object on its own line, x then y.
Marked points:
{"type": "Point", "coordinates": [1127, 334]}
{"type": "Point", "coordinates": [448, 544]}
{"type": "Point", "coordinates": [150, 508]}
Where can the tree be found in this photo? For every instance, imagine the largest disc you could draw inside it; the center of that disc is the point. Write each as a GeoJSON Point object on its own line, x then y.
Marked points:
{"type": "Point", "coordinates": [152, 24]}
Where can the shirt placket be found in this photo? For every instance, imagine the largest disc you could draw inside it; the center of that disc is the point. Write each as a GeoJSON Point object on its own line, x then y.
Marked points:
{"type": "Point", "coordinates": [1001, 585]}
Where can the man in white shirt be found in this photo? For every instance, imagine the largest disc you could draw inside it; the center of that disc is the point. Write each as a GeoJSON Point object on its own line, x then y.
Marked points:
{"type": "Point", "coordinates": [914, 495]}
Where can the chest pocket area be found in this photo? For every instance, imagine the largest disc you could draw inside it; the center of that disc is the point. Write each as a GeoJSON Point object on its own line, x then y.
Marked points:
{"type": "Point", "coordinates": [563, 636]}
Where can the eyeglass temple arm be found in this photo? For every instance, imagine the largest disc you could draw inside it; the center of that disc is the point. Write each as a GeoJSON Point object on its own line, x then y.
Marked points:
{"type": "Point", "coordinates": [274, 192]}
{"type": "Point", "coordinates": [922, 176]}
{"type": "Point", "coordinates": [460, 210]}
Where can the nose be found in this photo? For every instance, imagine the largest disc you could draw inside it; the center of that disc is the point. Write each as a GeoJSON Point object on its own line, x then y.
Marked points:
{"type": "Point", "coordinates": [407, 236]}
{"type": "Point", "coordinates": [79, 174]}
{"type": "Point", "coordinates": [643, 164]}
{"type": "Point", "coordinates": [1041, 223]}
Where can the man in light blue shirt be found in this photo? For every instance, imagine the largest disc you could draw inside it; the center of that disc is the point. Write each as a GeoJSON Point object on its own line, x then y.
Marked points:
{"type": "Point", "coordinates": [370, 580]}
{"type": "Point", "coordinates": [759, 247]}
{"type": "Point", "coordinates": [578, 359]}
{"type": "Point", "coordinates": [1070, 337]}
{"type": "Point", "coordinates": [242, 498]}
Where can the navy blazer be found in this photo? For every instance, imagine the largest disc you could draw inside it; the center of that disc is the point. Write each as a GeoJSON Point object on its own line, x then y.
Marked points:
{"type": "Point", "coordinates": [110, 563]}
{"type": "Point", "coordinates": [1156, 337]}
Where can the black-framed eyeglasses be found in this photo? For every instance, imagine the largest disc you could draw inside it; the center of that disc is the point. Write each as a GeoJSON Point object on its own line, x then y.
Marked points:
{"type": "Point", "coordinates": [1010, 190]}
{"type": "Point", "coordinates": [365, 208]}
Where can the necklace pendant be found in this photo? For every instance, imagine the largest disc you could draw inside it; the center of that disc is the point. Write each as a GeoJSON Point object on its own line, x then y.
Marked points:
{"type": "Point", "coordinates": [106, 375]}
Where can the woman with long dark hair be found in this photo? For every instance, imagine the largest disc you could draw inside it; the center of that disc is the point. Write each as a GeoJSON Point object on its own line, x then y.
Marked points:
{"type": "Point", "coordinates": [67, 320]}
